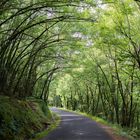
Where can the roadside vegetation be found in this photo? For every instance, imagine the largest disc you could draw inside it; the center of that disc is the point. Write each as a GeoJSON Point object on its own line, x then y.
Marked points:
{"type": "Point", "coordinates": [115, 130]}
{"type": "Point", "coordinates": [22, 119]}
{"type": "Point", "coordinates": [54, 124]}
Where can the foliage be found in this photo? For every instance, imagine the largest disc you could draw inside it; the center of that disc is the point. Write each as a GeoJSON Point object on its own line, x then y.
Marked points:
{"type": "Point", "coordinates": [83, 55]}
{"type": "Point", "coordinates": [33, 42]}
{"type": "Point", "coordinates": [56, 122]}
{"type": "Point", "coordinates": [21, 119]}
{"type": "Point", "coordinates": [104, 76]}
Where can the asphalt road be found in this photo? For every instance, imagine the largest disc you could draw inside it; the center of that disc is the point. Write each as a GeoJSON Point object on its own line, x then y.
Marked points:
{"type": "Point", "coordinates": [76, 127]}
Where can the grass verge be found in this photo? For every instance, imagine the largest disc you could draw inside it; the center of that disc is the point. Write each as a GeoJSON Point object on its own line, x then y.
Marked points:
{"type": "Point", "coordinates": [115, 128]}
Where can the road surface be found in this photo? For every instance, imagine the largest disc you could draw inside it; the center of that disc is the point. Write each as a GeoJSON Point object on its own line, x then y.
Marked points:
{"type": "Point", "coordinates": [76, 127]}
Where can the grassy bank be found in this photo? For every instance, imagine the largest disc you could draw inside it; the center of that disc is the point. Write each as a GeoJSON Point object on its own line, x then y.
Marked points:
{"type": "Point", "coordinates": [56, 122]}
{"type": "Point", "coordinates": [22, 119]}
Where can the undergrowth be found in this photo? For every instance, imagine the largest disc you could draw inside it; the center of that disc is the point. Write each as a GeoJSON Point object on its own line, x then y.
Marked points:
{"type": "Point", "coordinates": [21, 119]}
{"type": "Point", "coordinates": [56, 122]}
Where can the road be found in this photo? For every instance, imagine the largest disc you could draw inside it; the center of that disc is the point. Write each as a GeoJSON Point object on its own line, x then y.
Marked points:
{"type": "Point", "coordinates": [76, 127]}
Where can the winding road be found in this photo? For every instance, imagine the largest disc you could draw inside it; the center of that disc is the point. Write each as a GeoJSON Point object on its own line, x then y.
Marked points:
{"type": "Point", "coordinates": [76, 127]}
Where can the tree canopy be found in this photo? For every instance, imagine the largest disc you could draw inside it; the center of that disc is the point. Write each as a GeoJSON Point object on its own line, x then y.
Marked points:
{"type": "Point", "coordinates": [82, 55]}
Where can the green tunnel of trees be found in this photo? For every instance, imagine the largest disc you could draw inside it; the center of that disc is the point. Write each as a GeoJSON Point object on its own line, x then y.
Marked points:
{"type": "Point", "coordinates": [82, 55]}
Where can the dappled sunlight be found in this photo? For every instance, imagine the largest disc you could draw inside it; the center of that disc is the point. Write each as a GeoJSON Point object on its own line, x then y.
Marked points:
{"type": "Point", "coordinates": [72, 119]}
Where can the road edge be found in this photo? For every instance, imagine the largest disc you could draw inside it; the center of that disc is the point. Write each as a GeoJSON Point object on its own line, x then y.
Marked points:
{"type": "Point", "coordinates": [53, 126]}
{"type": "Point", "coordinates": [113, 130]}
